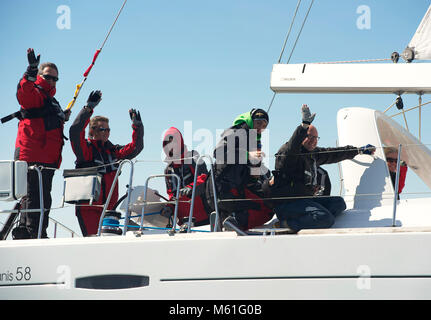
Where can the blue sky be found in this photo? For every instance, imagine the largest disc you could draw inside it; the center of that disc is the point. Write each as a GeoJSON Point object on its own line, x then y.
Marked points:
{"type": "Point", "coordinates": [199, 61]}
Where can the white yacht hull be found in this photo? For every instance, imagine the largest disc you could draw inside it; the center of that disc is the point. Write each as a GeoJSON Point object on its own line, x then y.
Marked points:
{"type": "Point", "coordinates": [383, 264]}
{"type": "Point", "coordinates": [361, 257]}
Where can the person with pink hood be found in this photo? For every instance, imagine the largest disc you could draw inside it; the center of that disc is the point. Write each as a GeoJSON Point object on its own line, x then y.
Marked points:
{"type": "Point", "coordinates": [182, 162]}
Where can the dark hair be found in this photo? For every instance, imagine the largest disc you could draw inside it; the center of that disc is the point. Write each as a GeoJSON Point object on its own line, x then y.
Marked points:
{"type": "Point", "coordinates": [47, 65]}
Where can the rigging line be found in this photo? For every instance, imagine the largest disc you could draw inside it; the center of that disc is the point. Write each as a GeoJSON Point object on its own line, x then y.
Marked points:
{"type": "Point", "coordinates": [405, 121]}
{"type": "Point", "coordinates": [112, 26]}
{"type": "Point", "coordinates": [284, 47]}
{"type": "Point", "coordinates": [420, 116]}
{"type": "Point", "coordinates": [86, 73]}
{"type": "Point", "coordinates": [99, 166]}
{"type": "Point", "coordinates": [300, 31]}
{"type": "Point", "coordinates": [272, 100]}
{"type": "Point", "coordinates": [421, 105]}
{"type": "Point", "coordinates": [387, 109]}
{"type": "Point", "coordinates": [290, 29]}
{"type": "Point", "coordinates": [296, 154]}
{"type": "Point", "coordinates": [169, 160]}
{"type": "Point", "coordinates": [351, 61]}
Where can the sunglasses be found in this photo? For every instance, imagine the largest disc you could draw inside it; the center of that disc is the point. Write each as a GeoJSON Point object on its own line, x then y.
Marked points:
{"type": "Point", "coordinates": [313, 137]}
{"type": "Point", "coordinates": [392, 160]}
{"type": "Point", "coordinates": [169, 140]}
{"type": "Point", "coordinates": [49, 77]}
{"type": "Point", "coordinates": [102, 129]}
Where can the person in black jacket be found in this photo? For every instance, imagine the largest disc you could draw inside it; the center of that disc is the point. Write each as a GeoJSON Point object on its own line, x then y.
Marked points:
{"type": "Point", "coordinates": [296, 176]}
{"type": "Point", "coordinates": [238, 160]}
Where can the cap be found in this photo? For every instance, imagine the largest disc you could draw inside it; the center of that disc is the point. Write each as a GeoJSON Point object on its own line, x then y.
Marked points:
{"type": "Point", "coordinates": [259, 114]}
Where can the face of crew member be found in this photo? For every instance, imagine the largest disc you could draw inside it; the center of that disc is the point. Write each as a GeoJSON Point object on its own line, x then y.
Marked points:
{"type": "Point", "coordinates": [391, 160]}
{"type": "Point", "coordinates": [100, 131]}
{"type": "Point", "coordinates": [260, 125]}
{"type": "Point", "coordinates": [310, 142]}
{"type": "Point", "coordinates": [168, 146]}
{"type": "Point", "coordinates": [50, 75]}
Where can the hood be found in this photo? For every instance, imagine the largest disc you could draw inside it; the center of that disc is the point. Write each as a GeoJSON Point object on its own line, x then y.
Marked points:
{"type": "Point", "coordinates": [50, 90]}
{"type": "Point", "coordinates": [173, 146]}
{"type": "Point", "coordinates": [245, 117]}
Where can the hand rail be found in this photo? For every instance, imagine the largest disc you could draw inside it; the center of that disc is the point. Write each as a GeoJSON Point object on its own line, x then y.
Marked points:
{"type": "Point", "coordinates": [397, 181]}
{"type": "Point", "coordinates": [58, 223]}
{"type": "Point", "coordinates": [194, 191]}
{"type": "Point", "coordinates": [41, 204]}
{"type": "Point", "coordinates": [176, 201]}
{"type": "Point", "coordinates": [108, 199]}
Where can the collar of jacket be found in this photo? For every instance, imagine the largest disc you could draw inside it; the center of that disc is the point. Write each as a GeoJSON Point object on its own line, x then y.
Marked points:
{"type": "Point", "coordinates": [100, 145]}
{"type": "Point", "coordinates": [47, 88]}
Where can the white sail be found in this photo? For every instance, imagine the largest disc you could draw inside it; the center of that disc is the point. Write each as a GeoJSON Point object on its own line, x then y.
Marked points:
{"type": "Point", "coordinates": [421, 41]}
{"type": "Point", "coordinates": [368, 175]}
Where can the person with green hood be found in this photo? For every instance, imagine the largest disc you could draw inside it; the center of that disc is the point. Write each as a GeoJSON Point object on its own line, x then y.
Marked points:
{"type": "Point", "coordinates": [236, 154]}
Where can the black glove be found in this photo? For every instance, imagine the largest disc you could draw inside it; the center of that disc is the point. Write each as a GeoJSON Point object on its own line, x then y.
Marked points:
{"type": "Point", "coordinates": [307, 117]}
{"type": "Point", "coordinates": [33, 64]}
{"type": "Point", "coordinates": [135, 116]}
{"type": "Point", "coordinates": [186, 192]}
{"type": "Point", "coordinates": [67, 113]}
{"type": "Point", "coordinates": [94, 99]}
{"type": "Point", "coordinates": [368, 149]}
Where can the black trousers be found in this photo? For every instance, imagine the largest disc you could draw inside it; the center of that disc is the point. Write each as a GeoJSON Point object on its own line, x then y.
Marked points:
{"type": "Point", "coordinates": [29, 221]}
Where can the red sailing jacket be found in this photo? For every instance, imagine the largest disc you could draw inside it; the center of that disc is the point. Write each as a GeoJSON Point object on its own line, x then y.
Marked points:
{"type": "Point", "coordinates": [402, 181]}
{"type": "Point", "coordinates": [39, 139]}
{"type": "Point", "coordinates": [91, 152]}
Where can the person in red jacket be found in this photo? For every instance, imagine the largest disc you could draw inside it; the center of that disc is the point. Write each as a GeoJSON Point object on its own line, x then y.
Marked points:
{"type": "Point", "coordinates": [183, 163]}
{"type": "Point", "coordinates": [39, 140]}
{"type": "Point", "coordinates": [391, 155]}
{"type": "Point", "coordinates": [98, 151]}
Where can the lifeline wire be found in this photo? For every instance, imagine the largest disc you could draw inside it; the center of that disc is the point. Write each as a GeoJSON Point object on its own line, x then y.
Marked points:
{"type": "Point", "coordinates": [86, 73]}
{"type": "Point", "coordinates": [188, 201]}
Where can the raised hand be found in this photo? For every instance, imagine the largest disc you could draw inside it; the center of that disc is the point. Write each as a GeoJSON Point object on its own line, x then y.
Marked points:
{"type": "Point", "coordinates": [32, 60]}
{"type": "Point", "coordinates": [33, 64]}
{"type": "Point", "coordinates": [135, 116]}
{"type": "Point", "coordinates": [94, 98]}
{"type": "Point", "coordinates": [307, 117]}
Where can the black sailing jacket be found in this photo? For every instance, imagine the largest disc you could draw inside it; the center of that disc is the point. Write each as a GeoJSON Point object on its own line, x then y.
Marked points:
{"type": "Point", "coordinates": [295, 173]}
